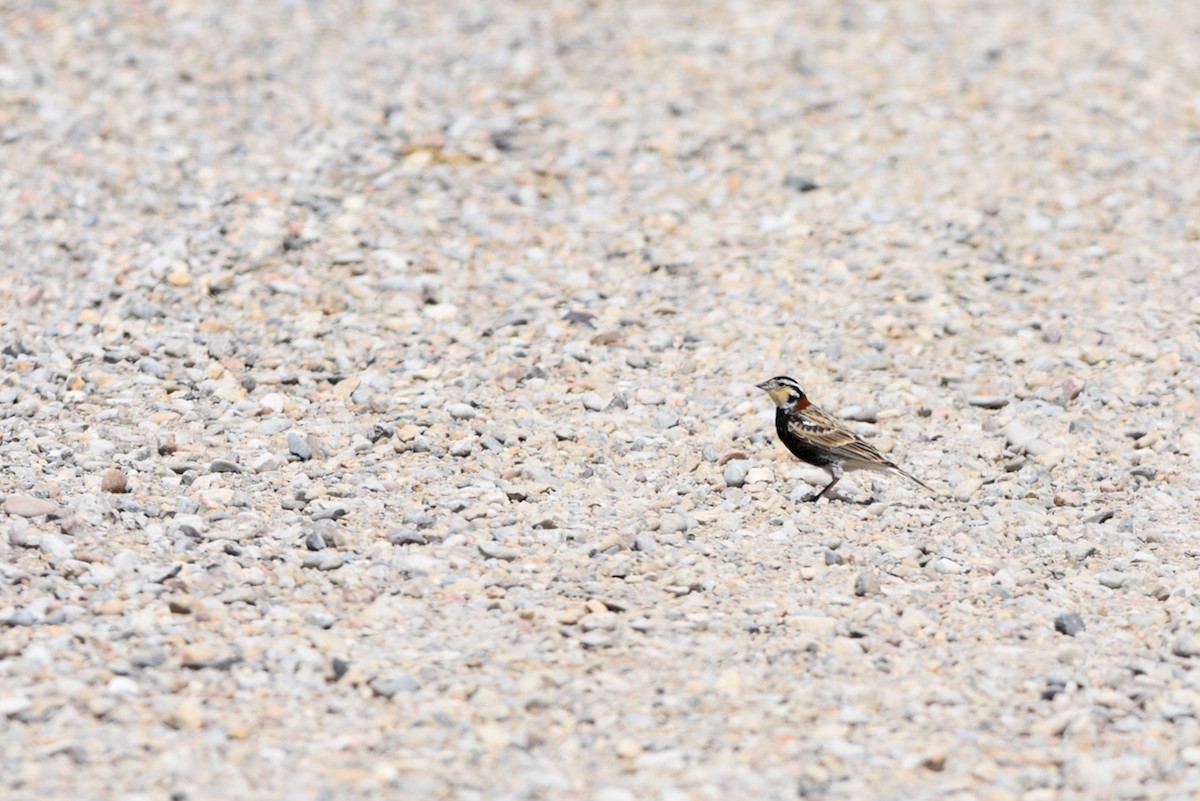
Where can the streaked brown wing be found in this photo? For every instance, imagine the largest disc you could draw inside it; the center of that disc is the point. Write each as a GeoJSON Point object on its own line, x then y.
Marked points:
{"type": "Point", "coordinates": [823, 431]}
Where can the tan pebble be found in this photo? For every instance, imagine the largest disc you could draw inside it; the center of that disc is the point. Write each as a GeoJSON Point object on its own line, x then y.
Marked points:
{"type": "Point", "coordinates": [595, 605]}
{"type": "Point", "coordinates": [966, 490]}
{"type": "Point", "coordinates": [934, 759]}
{"type": "Point", "coordinates": [344, 389]}
{"type": "Point", "coordinates": [571, 615]}
{"type": "Point", "coordinates": [187, 716]}
{"type": "Point", "coordinates": [183, 604]}
{"type": "Point", "coordinates": [111, 606]}
{"type": "Point", "coordinates": [179, 277]}
{"type": "Point", "coordinates": [730, 681]}
{"type": "Point", "coordinates": [214, 371]}
{"type": "Point", "coordinates": [1068, 498]}
{"type": "Point", "coordinates": [27, 506]}
{"type": "Point", "coordinates": [113, 481]}
{"type": "Point", "coordinates": [812, 624]}
{"type": "Point", "coordinates": [494, 736]}
{"type": "Point", "coordinates": [197, 653]}
{"type": "Point", "coordinates": [756, 475]}
{"type": "Point", "coordinates": [441, 311]}
{"type": "Point", "coordinates": [1050, 458]}
{"type": "Point", "coordinates": [88, 317]}
{"type": "Point", "coordinates": [628, 749]}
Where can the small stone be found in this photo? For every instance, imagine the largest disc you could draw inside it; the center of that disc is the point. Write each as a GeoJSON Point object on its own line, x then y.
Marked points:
{"type": "Point", "coordinates": [1068, 498]}
{"type": "Point", "coordinates": [27, 506]}
{"type": "Point", "coordinates": [599, 621]}
{"type": "Point", "coordinates": [390, 684]}
{"type": "Point", "coordinates": [55, 547]}
{"type": "Point", "coordinates": [11, 705]}
{"type": "Point", "coordinates": [494, 550]}
{"type": "Point", "coordinates": [1069, 623]}
{"type": "Point", "coordinates": [266, 463]}
{"type": "Point", "coordinates": [461, 411]}
{"type": "Point", "coordinates": [812, 624]}
{"type": "Point", "coordinates": [988, 401]}
{"type": "Point", "coordinates": [867, 413]}
{"type": "Point", "coordinates": [462, 447]}
{"type": "Point", "coordinates": [867, 583]}
{"type": "Point", "coordinates": [314, 541]}
{"type": "Point", "coordinates": [735, 473]}
{"type": "Point", "coordinates": [224, 466]}
{"type": "Point", "coordinates": [187, 716]}
{"type": "Point", "coordinates": [323, 560]}
{"type": "Point", "coordinates": [1186, 644]}
{"type": "Point", "coordinates": [1113, 579]}
{"type": "Point", "coordinates": [759, 475]}
{"type": "Point", "coordinates": [298, 446]}
{"type": "Point", "coordinates": [328, 511]}
{"type": "Point", "coordinates": [965, 490]}
{"type": "Point", "coordinates": [592, 401]}
{"type": "Point", "coordinates": [407, 536]}
{"type": "Point", "coordinates": [113, 481]}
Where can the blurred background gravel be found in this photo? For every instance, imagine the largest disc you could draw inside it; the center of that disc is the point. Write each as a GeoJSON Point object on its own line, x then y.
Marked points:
{"type": "Point", "coordinates": [377, 407]}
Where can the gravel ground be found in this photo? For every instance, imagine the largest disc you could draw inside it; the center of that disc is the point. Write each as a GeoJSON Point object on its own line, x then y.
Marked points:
{"type": "Point", "coordinates": [377, 407]}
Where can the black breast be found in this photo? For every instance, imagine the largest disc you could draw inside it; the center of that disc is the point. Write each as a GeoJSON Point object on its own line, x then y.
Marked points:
{"type": "Point", "coordinates": [801, 448]}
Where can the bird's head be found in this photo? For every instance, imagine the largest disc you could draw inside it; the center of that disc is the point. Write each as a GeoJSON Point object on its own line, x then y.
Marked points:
{"type": "Point", "coordinates": [786, 393]}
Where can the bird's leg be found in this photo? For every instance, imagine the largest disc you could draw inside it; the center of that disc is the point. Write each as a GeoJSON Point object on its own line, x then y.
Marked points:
{"type": "Point", "coordinates": [836, 472]}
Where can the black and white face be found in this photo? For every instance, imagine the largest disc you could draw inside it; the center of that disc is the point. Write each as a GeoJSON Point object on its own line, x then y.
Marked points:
{"type": "Point", "coordinates": [783, 390]}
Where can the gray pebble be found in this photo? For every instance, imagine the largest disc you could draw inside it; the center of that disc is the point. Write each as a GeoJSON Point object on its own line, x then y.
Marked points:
{"type": "Point", "coordinates": [22, 617]}
{"type": "Point", "coordinates": [314, 541]}
{"type": "Point", "coordinates": [988, 401]}
{"type": "Point", "coordinates": [298, 446]}
{"type": "Point", "coordinates": [225, 466]}
{"type": "Point", "coordinates": [407, 536]}
{"type": "Point", "coordinates": [323, 560]}
{"type": "Point", "coordinates": [390, 684]}
{"type": "Point", "coordinates": [1186, 644]}
{"type": "Point", "coordinates": [462, 447]}
{"type": "Point", "coordinates": [735, 472]}
{"type": "Point", "coordinates": [494, 550]}
{"type": "Point", "coordinates": [1069, 623]}
{"type": "Point", "coordinates": [324, 511]}
{"type": "Point", "coordinates": [666, 418]}
{"type": "Point", "coordinates": [461, 411]}
{"type": "Point", "coordinates": [1113, 579]}
{"type": "Point", "coordinates": [54, 546]}
{"type": "Point", "coordinates": [592, 401]}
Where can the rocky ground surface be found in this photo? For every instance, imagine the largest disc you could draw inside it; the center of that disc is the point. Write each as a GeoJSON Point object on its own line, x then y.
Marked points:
{"type": "Point", "coordinates": [377, 407]}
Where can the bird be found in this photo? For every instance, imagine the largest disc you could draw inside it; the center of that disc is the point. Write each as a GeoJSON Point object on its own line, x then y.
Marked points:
{"type": "Point", "coordinates": [819, 438]}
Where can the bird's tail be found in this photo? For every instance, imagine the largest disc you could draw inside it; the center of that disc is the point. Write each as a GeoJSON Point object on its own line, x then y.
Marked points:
{"type": "Point", "coordinates": [911, 477]}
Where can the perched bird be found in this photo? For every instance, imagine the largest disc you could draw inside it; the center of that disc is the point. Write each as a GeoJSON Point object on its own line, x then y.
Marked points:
{"type": "Point", "coordinates": [821, 439]}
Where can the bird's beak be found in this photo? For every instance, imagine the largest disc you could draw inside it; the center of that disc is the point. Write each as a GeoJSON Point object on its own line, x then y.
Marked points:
{"type": "Point", "coordinates": [763, 386]}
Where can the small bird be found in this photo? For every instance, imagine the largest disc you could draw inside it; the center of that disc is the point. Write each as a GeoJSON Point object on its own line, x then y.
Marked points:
{"type": "Point", "coordinates": [820, 439]}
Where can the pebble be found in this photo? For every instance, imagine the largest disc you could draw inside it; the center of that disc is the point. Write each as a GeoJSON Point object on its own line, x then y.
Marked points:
{"type": "Point", "coordinates": [298, 446]}
{"type": "Point", "coordinates": [1069, 623]}
{"type": "Point", "coordinates": [324, 560]}
{"type": "Point", "coordinates": [494, 550]}
{"type": "Point", "coordinates": [27, 506]}
{"type": "Point", "coordinates": [113, 481]}
{"type": "Point", "coordinates": [1186, 644]}
{"type": "Point", "coordinates": [735, 473]}
{"type": "Point", "coordinates": [592, 401]}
